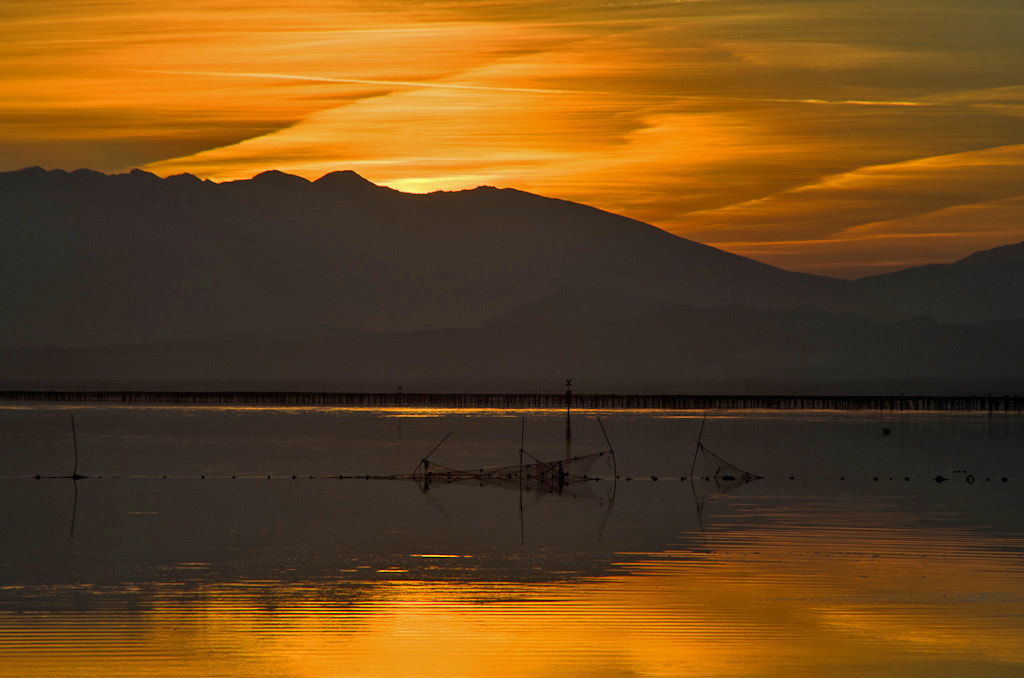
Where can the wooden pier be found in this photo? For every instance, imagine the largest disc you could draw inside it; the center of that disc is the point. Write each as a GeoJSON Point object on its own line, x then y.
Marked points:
{"type": "Point", "coordinates": [528, 401]}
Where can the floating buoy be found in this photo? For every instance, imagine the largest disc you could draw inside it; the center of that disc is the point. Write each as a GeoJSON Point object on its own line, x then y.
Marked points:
{"type": "Point", "coordinates": [970, 479]}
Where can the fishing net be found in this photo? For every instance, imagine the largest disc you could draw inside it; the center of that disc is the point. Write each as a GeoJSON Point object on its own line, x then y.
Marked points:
{"type": "Point", "coordinates": [709, 467]}
{"type": "Point", "coordinates": [542, 476]}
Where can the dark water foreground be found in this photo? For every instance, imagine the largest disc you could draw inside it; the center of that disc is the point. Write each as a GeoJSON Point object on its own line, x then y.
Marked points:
{"type": "Point", "coordinates": [847, 559]}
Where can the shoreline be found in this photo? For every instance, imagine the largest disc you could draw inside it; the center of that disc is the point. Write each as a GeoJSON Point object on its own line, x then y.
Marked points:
{"type": "Point", "coordinates": [531, 401]}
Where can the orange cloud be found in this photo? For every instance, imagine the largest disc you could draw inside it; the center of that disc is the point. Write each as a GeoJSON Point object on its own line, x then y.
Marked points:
{"type": "Point", "coordinates": [957, 203]}
{"type": "Point", "coordinates": [704, 118]}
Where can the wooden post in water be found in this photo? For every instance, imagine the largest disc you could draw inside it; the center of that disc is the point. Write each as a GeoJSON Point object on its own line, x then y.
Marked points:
{"type": "Point", "coordinates": [74, 441]}
{"type": "Point", "coordinates": [568, 418]}
{"type": "Point", "coordinates": [522, 444]}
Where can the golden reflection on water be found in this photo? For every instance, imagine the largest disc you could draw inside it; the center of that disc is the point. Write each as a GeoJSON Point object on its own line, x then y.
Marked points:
{"type": "Point", "coordinates": [848, 601]}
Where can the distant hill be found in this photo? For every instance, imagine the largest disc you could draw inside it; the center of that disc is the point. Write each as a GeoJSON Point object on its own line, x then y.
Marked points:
{"type": "Point", "coordinates": [987, 285]}
{"type": "Point", "coordinates": [134, 280]}
{"type": "Point", "coordinates": [90, 258]}
{"type": "Point", "coordinates": [674, 350]}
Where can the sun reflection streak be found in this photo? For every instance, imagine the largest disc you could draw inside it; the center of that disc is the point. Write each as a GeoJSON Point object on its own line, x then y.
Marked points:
{"type": "Point", "coordinates": [796, 601]}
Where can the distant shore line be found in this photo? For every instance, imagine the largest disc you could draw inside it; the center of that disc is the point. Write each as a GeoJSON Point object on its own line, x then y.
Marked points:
{"type": "Point", "coordinates": [530, 401]}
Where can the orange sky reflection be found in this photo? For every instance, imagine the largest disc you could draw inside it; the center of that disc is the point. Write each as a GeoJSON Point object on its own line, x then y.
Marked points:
{"type": "Point", "coordinates": [887, 602]}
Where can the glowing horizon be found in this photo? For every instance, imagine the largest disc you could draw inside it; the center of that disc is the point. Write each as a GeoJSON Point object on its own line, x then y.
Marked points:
{"type": "Point", "coordinates": [830, 137]}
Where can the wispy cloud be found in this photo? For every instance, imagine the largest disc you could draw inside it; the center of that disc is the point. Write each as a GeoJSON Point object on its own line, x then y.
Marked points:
{"type": "Point", "coordinates": [969, 200]}
{"type": "Point", "coordinates": [733, 122]}
{"type": "Point", "coordinates": [371, 82]}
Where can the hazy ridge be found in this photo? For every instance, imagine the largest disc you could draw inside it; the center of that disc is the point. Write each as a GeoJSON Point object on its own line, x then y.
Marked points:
{"type": "Point", "coordinates": [131, 280]}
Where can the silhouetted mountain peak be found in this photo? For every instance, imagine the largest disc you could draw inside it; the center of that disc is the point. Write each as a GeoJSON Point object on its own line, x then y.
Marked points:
{"type": "Point", "coordinates": [347, 181]}
{"type": "Point", "coordinates": [30, 176]}
{"type": "Point", "coordinates": [27, 173]}
{"type": "Point", "coordinates": [185, 179]}
{"type": "Point", "coordinates": [344, 179]}
{"type": "Point", "coordinates": [142, 177]}
{"type": "Point", "coordinates": [279, 178]}
{"type": "Point", "coordinates": [282, 255]}
{"type": "Point", "coordinates": [1004, 253]}
{"type": "Point", "coordinates": [88, 174]}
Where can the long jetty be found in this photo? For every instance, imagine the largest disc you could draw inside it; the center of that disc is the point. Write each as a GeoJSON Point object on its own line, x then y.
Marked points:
{"type": "Point", "coordinates": [527, 401]}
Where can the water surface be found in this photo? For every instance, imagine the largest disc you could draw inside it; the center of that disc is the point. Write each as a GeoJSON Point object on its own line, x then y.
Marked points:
{"type": "Point", "coordinates": [846, 559]}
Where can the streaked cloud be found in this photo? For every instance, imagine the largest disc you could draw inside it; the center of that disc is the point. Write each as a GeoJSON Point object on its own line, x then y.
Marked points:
{"type": "Point", "coordinates": [954, 199]}
{"type": "Point", "coordinates": [826, 135]}
{"type": "Point", "coordinates": [379, 83]}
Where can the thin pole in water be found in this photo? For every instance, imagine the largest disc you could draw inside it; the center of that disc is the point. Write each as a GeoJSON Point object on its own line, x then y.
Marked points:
{"type": "Point", "coordinates": [74, 507]}
{"type": "Point", "coordinates": [615, 467]}
{"type": "Point", "coordinates": [696, 451]}
{"type": "Point", "coordinates": [568, 418]}
{"type": "Point", "coordinates": [74, 440]}
{"type": "Point", "coordinates": [522, 445]}
{"type": "Point", "coordinates": [424, 462]}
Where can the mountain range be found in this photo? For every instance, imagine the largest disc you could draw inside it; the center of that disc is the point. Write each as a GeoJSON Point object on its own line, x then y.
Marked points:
{"type": "Point", "coordinates": [132, 280]}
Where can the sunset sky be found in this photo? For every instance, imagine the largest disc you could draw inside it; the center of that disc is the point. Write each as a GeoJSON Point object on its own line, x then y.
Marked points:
{"type": "Point", "coordinates": [843, 137]}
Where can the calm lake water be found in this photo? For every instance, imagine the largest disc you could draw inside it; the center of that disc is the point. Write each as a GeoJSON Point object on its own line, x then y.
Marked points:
{"type": "Point", "coordinates": [846, 559]}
